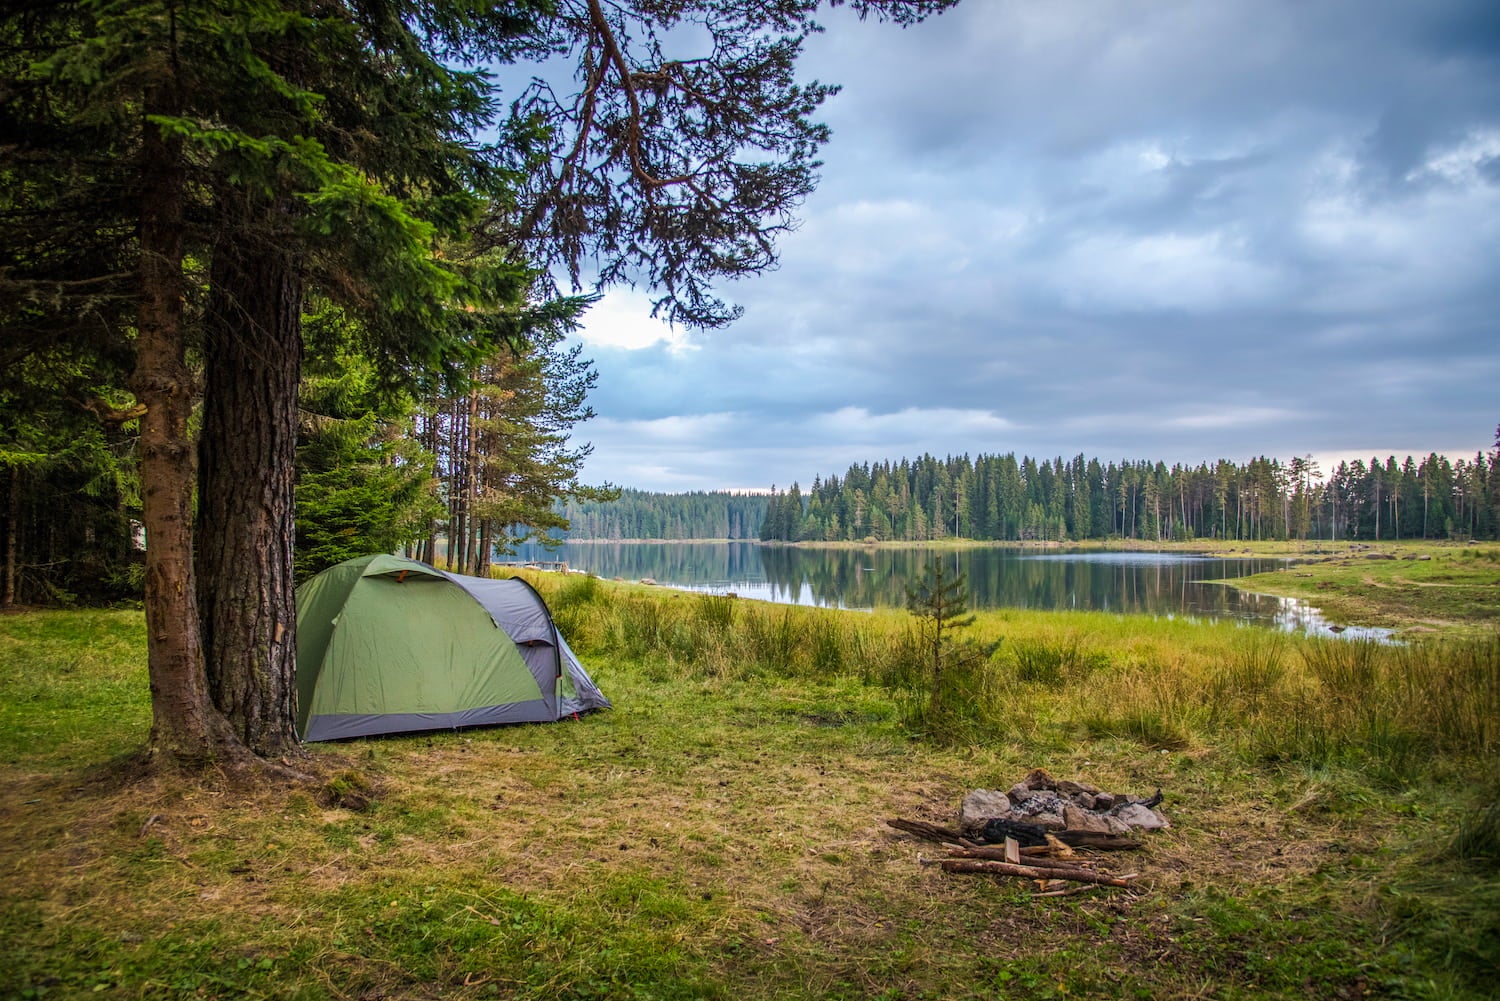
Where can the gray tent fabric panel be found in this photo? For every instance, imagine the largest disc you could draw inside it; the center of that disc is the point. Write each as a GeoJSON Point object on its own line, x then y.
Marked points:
{"type": "Point", "coordinates": [513, 604]}
{"type": "Point", "coordinates": [541, 658]}
{"type": "Point", "coordinates": [344, 726]}
{"type": "Point", "coordinates": [586, 695]}
{"type": "Point", "coordinates": [518, 609]}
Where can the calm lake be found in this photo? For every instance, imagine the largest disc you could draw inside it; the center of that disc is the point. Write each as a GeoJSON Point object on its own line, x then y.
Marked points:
{"type": "Point", "coordinates": [1162, 584]}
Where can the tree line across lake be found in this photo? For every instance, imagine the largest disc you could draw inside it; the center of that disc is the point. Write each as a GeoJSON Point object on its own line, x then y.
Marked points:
{"type": "Point", "coordinates": [1003, 498]}
{"type": "Point", "coordinates": [455, 478]}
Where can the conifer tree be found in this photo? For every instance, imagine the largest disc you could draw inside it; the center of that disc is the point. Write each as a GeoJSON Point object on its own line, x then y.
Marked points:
{"type": "Point", "coordinates": [364, 484]}
{"type": "Point", "coordinates": [940, 603]}
{"type": "Point", "coordinates": [504, 448]}
{"type": "Point", "coordinates": [212, 146]}
{"type": "Point", "coordinates": [295, 147]}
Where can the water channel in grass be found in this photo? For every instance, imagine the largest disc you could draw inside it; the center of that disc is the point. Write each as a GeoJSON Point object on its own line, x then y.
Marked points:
{"type": "Point", "coordinates": [1125, 582]}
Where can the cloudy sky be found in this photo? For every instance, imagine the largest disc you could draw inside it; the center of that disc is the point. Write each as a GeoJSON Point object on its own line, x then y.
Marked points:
{"type": "Point", "coordinates": [1164, 229]}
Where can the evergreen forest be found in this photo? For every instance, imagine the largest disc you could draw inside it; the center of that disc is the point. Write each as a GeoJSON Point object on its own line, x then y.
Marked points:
{"type": "Point", "coordinates": [644, 514]}
{"type": "Point", "coordinates": [1002, 498]}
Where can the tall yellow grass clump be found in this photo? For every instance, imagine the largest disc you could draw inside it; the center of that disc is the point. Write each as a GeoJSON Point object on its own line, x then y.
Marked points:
{"type": "Point", "coordinates": [1394, 709]}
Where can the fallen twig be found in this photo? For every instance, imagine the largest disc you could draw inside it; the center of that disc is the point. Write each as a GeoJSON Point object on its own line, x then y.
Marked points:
{"type": "Point", "coordinates": [1069, 892]}
{"type": "Point", "coordinates": [1029, 871]}
{"type": "Point", "coordinates": [1033, 862]}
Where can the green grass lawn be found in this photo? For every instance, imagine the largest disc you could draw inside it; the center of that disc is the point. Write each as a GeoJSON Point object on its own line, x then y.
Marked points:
{"type": "Point", "coordinates": [720, 833]}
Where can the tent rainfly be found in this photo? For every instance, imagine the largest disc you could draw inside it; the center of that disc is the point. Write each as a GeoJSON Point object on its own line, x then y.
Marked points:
{"type": "Point", "coordinates": [390, 645]}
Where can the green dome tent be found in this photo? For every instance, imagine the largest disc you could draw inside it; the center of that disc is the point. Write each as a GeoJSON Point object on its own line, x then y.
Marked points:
{"type": "Point", "coordinates": [390, 645]}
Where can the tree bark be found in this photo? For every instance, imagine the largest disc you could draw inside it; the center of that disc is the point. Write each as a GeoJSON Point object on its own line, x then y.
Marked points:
{"type": "Point", "coordinates": [185, 729]}
{"type": "Point", "coordinates": [457, 452]}
{"type": "Point", "coordinates": [427, 548]}
{"type": "Point", "coordinates": [471, 488]}
{"type": "Point", "coordinates": [246, 504]}
{"type": "Point", "coordinates": [12, 536]}
{"type": "Point", "coordinates": [486, 546]}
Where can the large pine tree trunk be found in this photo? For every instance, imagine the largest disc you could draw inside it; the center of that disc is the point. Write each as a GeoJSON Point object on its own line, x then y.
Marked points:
{"type": "Point", "coordinates": [246, 503]}
{"type": "Point", "coordinates": [185, 730]}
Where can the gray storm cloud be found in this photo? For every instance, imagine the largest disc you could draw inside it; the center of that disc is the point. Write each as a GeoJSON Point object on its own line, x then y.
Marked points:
{"type": "Point", "coordinates": [1161, 230]}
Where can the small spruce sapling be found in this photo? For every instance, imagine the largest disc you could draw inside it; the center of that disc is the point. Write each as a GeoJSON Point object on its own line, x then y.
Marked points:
{"type": "Point", "coordinates": [953, 668]}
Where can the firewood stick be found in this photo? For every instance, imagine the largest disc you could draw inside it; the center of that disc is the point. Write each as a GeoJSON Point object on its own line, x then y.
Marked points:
{"type": "Point", "coordinates": [1029, 872]}
{"type": "Point", "coordinates": [1025, 849]}
{"type": "Point", "coordinates": [968, 849]}
{"type": "Point", "coordinates": [1065, 841]}
{"type": "Point", "coordinates": [998, 855]}
{"type": "Point", "coordinates": [1070, 892]}
{"type": "Point", "coordinates": [1076, 839]}
{"type": "Point", "coordinates": [922, 829]}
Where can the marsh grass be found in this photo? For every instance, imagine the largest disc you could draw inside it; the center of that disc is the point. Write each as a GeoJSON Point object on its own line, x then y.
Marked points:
{"type": "Point", "coordinates": [1247, 683]}
{"type": "Point", "coordinates": [1426, 588]}
{"type": "Point", "coordinates": [720, 833]}
{"type": "Point", "coordinates": [1398, 710]}
{"type": "Point", "coordinates": [1404, 712]}
{"type": "Point", "coordinates": [1054, 662]}
{"type": "Point", "coordinates": [1477, 843]}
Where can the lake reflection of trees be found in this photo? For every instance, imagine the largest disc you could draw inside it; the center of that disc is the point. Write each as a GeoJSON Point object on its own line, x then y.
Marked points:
{"type": "Point", "coordinates": [1155, 584]}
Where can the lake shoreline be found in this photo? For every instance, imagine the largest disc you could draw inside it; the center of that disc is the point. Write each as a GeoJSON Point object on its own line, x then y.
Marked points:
{"type": "Point", "coordinates": [1230, 549]}
{"type": "Point", "coordinates": [1415, 587]}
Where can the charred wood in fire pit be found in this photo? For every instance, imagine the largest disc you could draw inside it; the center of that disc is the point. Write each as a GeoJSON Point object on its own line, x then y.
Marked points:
{"type": "Point", "coordinates": [932, 832]}
{"type": "Point", "coordinates": [996, 831]}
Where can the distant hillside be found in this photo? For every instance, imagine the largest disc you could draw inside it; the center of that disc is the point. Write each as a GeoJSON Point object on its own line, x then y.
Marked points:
{"type": "Point", "coordinates": [640, 514]}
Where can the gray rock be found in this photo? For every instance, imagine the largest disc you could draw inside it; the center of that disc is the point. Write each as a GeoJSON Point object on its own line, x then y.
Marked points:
{"type": "Point", "coordinates": [1104, 801]}
{"type": "Point", "coordinates": [1077, 819]}
{"type": "Point", "coordinates": [1039, 779]}
{"type": "Point", "coordinates": [1019, 793]}
{"type": "Point", "coordinates": [1141, 817]}
{"type": "Point", "coordinates": [1068, 788]}
{"type": "Point", "coordinates": [981, 805]}
{"type": "Point", "coordinates": [1051, 821]}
